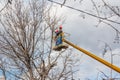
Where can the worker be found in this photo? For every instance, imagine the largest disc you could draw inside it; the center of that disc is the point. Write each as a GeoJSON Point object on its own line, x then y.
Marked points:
{"type": "Point", "coordinates": [60, 29]}
{"type": "Point", "coordinates": [58, 37]}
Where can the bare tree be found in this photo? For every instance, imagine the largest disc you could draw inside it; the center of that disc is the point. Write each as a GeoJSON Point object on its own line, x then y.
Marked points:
{"type": "Point", "coordinates": [4, 4]}
{"type": "Point", "coordinates": [26, 37]}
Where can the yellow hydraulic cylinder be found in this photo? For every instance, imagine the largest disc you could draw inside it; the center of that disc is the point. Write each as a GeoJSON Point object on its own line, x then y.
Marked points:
{"type": "Point", "coordinates": [94, 56]}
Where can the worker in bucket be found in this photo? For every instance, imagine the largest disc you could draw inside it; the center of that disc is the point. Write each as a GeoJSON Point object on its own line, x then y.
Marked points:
{"type": "Point", "coordinates": [59, 35]}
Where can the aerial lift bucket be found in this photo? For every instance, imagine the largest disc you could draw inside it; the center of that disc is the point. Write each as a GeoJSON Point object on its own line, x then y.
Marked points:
{"type": "Point", "coordinates": [61, 46]}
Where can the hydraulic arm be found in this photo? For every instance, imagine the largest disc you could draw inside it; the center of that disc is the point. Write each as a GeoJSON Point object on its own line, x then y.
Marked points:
{"type": "Point", "coordinates": [94, 56]}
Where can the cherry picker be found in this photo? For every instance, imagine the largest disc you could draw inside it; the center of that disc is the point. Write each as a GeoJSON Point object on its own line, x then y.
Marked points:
{"type": "Point", "coordinates": [62, 46]}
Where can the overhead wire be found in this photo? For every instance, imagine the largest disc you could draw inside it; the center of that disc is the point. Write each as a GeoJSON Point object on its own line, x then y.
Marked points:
{"type": "Point", "coordinates": [84, 12]}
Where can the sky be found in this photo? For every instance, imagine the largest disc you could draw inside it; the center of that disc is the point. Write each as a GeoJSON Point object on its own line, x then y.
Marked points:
{"type": "Point", "coordinates": [85, 34]}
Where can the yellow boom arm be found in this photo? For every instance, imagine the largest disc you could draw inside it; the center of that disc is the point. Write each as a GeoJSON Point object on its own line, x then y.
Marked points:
{"type": "Point", "coordinates": [94, 56]}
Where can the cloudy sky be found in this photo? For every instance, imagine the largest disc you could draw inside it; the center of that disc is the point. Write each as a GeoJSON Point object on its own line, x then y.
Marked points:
{"type": "Point", "coordinates": [85, 34]}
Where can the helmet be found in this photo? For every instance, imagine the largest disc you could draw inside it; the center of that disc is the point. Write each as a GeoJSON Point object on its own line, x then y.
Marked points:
{"type": "Point", "coordinates": [56, 31]}
{"type": "Point", "coordinates": [60, 27]}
